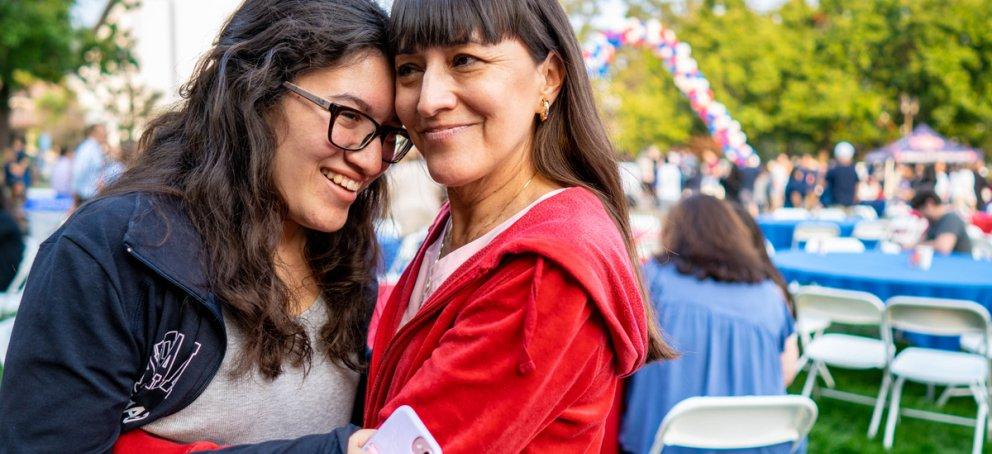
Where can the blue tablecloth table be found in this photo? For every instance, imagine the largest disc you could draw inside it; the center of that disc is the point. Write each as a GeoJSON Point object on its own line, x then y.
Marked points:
{"type": "Point", "coordinates": [887, 275]}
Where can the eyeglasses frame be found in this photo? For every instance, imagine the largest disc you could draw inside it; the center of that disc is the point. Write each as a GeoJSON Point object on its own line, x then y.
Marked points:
{"type": "Point", "coordinates": [381, 131]}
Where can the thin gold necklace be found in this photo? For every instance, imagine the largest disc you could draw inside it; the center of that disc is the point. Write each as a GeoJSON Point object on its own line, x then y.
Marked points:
{"type": "Point", "coordinates": [446, 238]}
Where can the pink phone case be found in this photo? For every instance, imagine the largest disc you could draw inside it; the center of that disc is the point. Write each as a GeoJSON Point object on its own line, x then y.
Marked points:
{"type": "Point", "coordinates": [403, 433]}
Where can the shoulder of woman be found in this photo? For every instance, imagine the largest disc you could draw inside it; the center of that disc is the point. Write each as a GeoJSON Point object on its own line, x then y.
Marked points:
{"type": "Point", "coordinates": [102, 227]}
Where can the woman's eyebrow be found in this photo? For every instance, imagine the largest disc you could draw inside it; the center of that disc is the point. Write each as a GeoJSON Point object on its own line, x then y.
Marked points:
{"type": "Point", "coordinates": [362, 105]}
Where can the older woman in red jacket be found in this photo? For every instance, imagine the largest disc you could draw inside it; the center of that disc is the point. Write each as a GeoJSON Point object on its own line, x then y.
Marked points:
{"type": "Point", "coordinates": [523, 309]}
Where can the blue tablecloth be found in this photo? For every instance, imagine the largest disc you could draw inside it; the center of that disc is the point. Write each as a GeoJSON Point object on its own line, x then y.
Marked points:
{"type": "Point", "coordinates": [779, 231]}
{"type": "Point", "coordinates": [885, 275]}
{"type": "Point", "coordinates": [57, 204]}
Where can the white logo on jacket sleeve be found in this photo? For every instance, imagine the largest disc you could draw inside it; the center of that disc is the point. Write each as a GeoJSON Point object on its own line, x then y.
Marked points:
{"type": "Point", "coordinates": [162, 372]}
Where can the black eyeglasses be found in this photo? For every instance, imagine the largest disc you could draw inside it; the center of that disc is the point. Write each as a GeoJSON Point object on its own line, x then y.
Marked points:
{"type": "Point", "coordinates": [353, 130]}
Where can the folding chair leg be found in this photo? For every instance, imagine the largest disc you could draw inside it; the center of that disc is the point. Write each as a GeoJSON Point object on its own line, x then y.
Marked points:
{"type": "Point", "coordinates": [981, 425]}
{"type": "Point", "coordinates": [890, 423]}
{"type": "Point", "coordinates": [945, 396]}
{"type": "Point", "coordinates": [950, 392]}
{"type": "Point", "coordinates": [931, 391]}
{"type": "Point", "coordinates": [876, 414]}
{"type": "Point", "coordinates": [827, 378]}
{"type": "Point", "coordinates": [811, 378]}
{"type": "Point", "coordinates": [980, 429]}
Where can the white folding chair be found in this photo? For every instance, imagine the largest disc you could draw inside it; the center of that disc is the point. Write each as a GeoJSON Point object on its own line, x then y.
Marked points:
{"type": "Point", "coordinates": [942, 317]}
{"type": "Point", "coordinates": [864, 212]}
{"type": "Point", "coordinates": [831, 214]}
{"type": "Point", "coordinates": [871, 230]}
{"type": "Point", "coordinates": [835, 246]}
{"type": "Point", "coordinates": [736, 422]}
{"type": "Point", "coordinates": [791, 214]}
{"type": "Point", "coordinates": [806, 231]}
{"type": "Point", "coordinates": [844, 351]}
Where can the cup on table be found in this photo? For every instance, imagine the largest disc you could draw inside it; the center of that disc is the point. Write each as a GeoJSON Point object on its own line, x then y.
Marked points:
{"type": "Point", "coordinates": [923, 257]}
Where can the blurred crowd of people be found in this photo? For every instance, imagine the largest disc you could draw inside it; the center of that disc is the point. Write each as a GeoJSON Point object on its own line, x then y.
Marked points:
{"type": "Point", "coordinates": [805, 181]}
{"type": "Point", "coordinates": [76, 172]}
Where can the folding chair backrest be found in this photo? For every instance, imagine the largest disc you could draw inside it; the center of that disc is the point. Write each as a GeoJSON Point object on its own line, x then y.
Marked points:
{"type": "Point", "coordinates": [790, 214]}
{"type": "Point", "coordinates": [937, 316]}
{"type": "Point", "coordinates": [838, 306]}
{"type": "Point", "coordinates": [864, 212]}
{"type": "Point", "coordinates": [736, 422]}
{"type": "Point", "coordinates": [806, 231]}
{"type": "Point", "coordinates": [835, 245]}
{"type": "Point", "coordinates": [871, 230]}
{"type": "Point", "coordinates": [831, 214]}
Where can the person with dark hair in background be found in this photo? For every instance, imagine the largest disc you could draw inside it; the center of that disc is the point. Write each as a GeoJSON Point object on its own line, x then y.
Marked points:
{"type": "Point", "coordinates": [796, 189]}
{"type": "Point", "coordinates": [720, 305]}
{"type": "Point", "coordinates": [512, 327]}
{"type": "Point", "coordinates": [11, 243]}
{"type": "Point", "coordinates": [17, 171]}
{"type": "Point", "coordinates": [219, 292]}
{"type": "Point", "coordinates": [947, 232]}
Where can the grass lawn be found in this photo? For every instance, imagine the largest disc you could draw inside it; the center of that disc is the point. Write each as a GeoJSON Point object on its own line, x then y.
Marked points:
{"type": "Point", "coordinates": [842, 427]}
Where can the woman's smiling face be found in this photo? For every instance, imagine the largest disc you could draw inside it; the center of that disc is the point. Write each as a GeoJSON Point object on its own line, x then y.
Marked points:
{"type": "Point", "coordinates": [469, 108]}
{"type": "Point", "coordinates": [316, 180]}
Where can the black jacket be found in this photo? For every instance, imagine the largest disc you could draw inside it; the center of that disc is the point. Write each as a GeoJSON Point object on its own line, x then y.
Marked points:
{"type": "Point", "coordinates": [116, 328]}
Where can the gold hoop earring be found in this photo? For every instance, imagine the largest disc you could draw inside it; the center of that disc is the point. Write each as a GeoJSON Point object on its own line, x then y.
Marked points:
{"type": "Point", "coordinates": [547, 109]}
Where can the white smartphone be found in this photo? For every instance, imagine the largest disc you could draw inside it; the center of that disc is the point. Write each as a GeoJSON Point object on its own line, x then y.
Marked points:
{"type": "Point", "coordinates": [403, 433]}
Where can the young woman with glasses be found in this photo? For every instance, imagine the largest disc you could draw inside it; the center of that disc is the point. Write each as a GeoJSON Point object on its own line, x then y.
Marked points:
{"type": "Point", "coordinates": [221, 289]}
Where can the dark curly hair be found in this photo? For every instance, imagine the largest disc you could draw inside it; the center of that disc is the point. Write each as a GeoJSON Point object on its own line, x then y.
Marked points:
{"type": "Point", "coordinates": [215, 153]}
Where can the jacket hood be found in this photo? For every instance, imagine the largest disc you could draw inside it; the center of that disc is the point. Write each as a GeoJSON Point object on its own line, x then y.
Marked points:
{"type": "Point", "coordinates": [573, 230]}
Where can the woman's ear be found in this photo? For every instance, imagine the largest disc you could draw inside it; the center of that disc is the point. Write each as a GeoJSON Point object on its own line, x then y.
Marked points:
{"type": "Point", "coordinates": [552, 71]}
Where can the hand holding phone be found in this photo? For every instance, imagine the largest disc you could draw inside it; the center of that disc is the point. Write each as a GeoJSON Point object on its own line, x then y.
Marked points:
{"type": "Point", "coordinates": [403, 433]}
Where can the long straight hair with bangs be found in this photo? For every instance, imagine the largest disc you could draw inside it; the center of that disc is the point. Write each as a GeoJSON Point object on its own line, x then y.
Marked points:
{"type": "Point", "coordinates": [571, 148]}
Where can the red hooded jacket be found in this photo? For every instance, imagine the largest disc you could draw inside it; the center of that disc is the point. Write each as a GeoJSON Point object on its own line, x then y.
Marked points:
{"type": "Point", "coordinates": [522, 347]}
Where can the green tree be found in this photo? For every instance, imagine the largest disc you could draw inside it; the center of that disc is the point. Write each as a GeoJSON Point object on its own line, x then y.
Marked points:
{"type": "Point", "coordinates": [39, 42]}
{"type": "Point", "coordinates": [646, 108]}
{"type": "Point", "coordinates": [805, 76]}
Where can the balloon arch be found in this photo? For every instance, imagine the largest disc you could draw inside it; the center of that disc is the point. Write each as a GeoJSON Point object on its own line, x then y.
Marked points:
{"type": "Point", "coordinates": [601, 49]}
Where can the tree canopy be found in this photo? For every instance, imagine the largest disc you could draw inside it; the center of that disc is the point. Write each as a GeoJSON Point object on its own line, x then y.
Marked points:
{"type": "Point", "coordinates": [805, 76]}
{"type": "Point", "coordinates": [38, 42]}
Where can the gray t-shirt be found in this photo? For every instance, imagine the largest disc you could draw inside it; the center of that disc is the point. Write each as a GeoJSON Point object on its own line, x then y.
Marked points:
{"type": "Point", "coordinates": [239, 410]}
{"type": "Point", "coordinates": [951, 223]}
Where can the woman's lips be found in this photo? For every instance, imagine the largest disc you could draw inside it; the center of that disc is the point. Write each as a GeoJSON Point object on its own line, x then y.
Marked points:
{"type": "Point", "coordinates": [443, 132]}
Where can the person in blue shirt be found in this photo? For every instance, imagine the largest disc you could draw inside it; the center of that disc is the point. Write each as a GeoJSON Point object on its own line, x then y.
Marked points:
{"type": "Point", "coordinates": [719, 304]}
